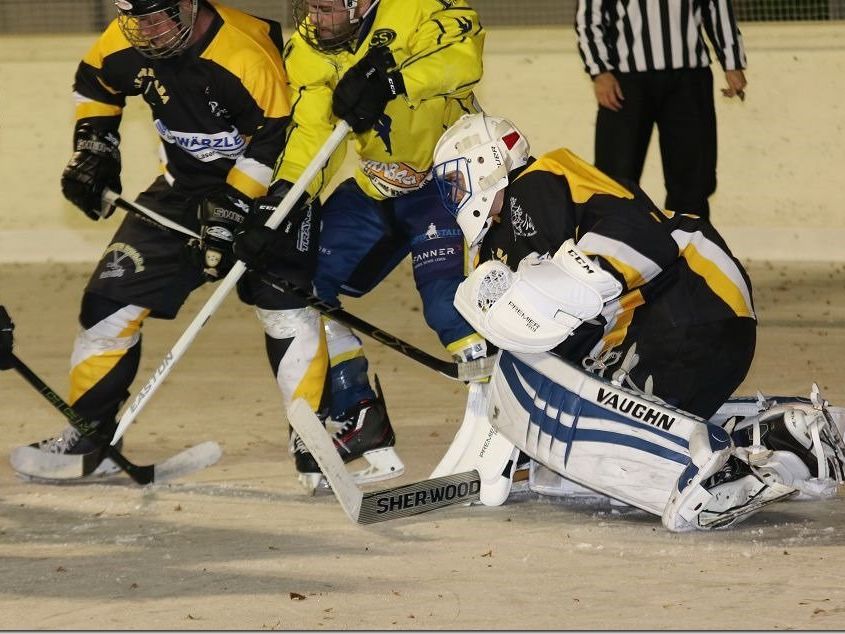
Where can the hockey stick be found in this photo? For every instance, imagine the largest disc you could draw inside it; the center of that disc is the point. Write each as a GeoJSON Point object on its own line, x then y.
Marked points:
{"type": "Point", "coordinates": [465, 371]}
{"type": "Point", "coordinates": [387, 504]}
{"type": "Point", "coordinates": [227, 283]}
{"type": "Point", "coordinates": [141, 474]}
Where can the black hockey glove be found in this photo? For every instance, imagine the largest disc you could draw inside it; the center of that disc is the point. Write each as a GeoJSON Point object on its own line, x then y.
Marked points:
{"type": "Point", "coordinates": [221, 213]}
{"type": "Point", "coordinates": [365, 89]}
{"type": "Point", "coordinates": [288, 246]}
{"type": "Point", "coordinates": [94, 166]}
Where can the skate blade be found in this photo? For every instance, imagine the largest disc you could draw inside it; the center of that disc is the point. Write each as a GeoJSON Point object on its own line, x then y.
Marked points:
{"type": "Point", "coordinates": [384, 465]}
{"type": "Point", "coordinates": [311, 482]}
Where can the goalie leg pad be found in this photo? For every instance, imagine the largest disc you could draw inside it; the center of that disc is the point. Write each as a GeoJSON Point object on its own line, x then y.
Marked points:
{"type": "Point", "coordinates": [610, 439]}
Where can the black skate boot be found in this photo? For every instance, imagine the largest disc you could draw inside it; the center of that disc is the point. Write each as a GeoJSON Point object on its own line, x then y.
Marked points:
{"type": "Point", "coordinates": [69, 456]}
{"type": "Point", "coordinates": [365, 431]}
{"type": "Point", "coordinates": [309, 474]}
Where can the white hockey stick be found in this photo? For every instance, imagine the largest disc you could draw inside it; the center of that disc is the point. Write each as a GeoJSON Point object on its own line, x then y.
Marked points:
{"type": "Point", "coordinates": [228, 283]}
{"type": "Point", "coordinates": [387, 504]}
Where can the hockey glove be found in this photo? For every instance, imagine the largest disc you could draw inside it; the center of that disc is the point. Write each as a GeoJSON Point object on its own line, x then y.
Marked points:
{"type": "Point", "coordinates": [365, 89]}
{"type": "Point", "coordinates": [286, 247]}
{"type": "Point", "coordinates": [221, 213]}
{"type": "Point", "coordinates": [94, 166]}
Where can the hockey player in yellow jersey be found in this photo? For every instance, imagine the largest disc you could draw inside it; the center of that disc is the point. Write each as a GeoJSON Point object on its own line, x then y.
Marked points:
{"type": "Point", "coordinates": [214, 80]}
{"type": "Point", "coordinates": [399, 72]}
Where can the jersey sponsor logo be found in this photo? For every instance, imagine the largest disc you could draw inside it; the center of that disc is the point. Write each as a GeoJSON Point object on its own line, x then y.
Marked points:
{"type": "Point", "coordinates": [635, 409]}
{"type": "Point", "coordinates": [204, 147]}
{"type": "Point", "coordinates": [523, 225]}
{"type": "Point", "coordinates": [430, 256]}
{"type": "Point", "coordinates": [432, 233]}
{"type": "Point", "coordinates": [382, 37]}
{"type": "Point", "coordinates": [434, 495]}
{"type": "Point", "coordinates": [393, 179]}
{"type": "Point", "coordinates": [117, 257]}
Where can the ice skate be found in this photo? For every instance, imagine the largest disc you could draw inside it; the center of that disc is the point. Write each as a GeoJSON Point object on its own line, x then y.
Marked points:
{"type": "Point", "coordinates": [69, 456]}
{"type": "Point", "coordinates": [308, 471]}
{"type": "Point", "coordinates": [365, 432]}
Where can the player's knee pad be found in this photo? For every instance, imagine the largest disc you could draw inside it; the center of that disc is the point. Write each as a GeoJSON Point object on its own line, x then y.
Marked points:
{"type": "Point", "coordinates": [287, 324]}
{"type": "Point", "coordinates": [106, 351]}
{"type": "Point", "coordinates": [118, 330]}
{"type": "Point", "coordinates": [296, 346]}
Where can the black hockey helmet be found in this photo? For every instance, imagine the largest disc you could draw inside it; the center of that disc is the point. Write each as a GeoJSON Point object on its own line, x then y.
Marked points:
{"type": "Point", "coordinates": [330, 25]}
{"type": "Point", "coordinates": [157, 28]}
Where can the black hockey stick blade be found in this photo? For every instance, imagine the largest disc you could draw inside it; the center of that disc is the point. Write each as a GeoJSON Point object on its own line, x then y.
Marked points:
{"type": "Point", "coordinates": [192, 459]}
{"type": "Point", "coordinates": [387, 504]}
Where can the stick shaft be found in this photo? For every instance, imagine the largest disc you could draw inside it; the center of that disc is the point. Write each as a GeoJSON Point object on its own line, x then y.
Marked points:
{"type": "Point", "coordinates": [227, 284]}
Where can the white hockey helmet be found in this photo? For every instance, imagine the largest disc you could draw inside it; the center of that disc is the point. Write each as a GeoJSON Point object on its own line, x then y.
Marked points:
{"type": "Point", "coordinates": [471, 163]}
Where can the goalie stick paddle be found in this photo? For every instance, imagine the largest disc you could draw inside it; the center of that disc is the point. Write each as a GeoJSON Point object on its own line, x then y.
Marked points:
{"type": "Point", "coordinates": [387, 504]}
{"type": "Point", "coordinates": [465, 371]}
{"type": "Point", "coordinates": [197, 457]}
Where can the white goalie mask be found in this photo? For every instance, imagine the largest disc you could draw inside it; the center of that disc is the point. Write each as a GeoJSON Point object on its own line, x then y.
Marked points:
{"type": "Point", "coordinates": [471, 164]}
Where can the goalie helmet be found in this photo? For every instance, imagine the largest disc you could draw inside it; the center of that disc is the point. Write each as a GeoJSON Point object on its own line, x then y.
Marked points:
{"type": "Point", "coordinates": [472, 161]}
{"type": "Point", "coordinates": [330, 25]}
{"type": "Point", "coordinates": [157, 28]}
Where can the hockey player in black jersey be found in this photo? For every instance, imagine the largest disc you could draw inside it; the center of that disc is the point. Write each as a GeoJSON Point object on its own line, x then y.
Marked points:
{"type": "Point", "coordinates": [582, 279]}
{"type": "Point", "coordinates": [214, 80]}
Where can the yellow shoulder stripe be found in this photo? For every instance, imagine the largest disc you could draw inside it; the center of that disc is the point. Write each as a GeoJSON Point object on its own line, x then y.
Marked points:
{"type": "Point", "coordinates": [584, 180]}
{"type": "Point", "coordinates": [239, 47]}
{"type": "Point", "coordinates": [111, 41]}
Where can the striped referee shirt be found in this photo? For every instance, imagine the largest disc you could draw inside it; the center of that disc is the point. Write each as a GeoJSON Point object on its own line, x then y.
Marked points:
{"type": "Point", "coordinates": [642, 35]}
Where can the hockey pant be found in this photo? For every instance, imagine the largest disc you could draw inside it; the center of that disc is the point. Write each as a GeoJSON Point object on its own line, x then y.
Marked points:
{"type": "Point", "coordinates": [362, 240]}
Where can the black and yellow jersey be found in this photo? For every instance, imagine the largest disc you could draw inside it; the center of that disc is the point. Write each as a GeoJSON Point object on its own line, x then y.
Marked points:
{"type": "Point", "coordinates": [437, 45]}
{"type": "Point", "coordinates": [560, 196]}
{"type": "Point", "coordinates": [220, 108]}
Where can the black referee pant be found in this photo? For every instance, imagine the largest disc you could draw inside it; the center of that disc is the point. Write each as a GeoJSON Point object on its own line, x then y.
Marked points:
{"type": "Point", "coordinates": [680, 102]}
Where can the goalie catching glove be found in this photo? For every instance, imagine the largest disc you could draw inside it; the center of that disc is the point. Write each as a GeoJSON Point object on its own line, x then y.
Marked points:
{"type": "Point", "coordinates": [94, 167]}
{"type": "Point", "coordinates": [536, 308]}
{"type": "Point", "coordinates": [221, 213]}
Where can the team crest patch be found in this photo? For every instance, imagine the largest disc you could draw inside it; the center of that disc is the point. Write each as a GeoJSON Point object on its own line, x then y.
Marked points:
{"type": "Point", "coordinates": [523, 226]}
{"type": "Point", "coordinates": [382, 37]}
{"type": "Point", "coordinates": [120, 258]}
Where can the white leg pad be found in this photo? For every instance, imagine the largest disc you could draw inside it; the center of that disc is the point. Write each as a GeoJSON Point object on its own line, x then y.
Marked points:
{"type": "Point", "coordinates": [597, 434]}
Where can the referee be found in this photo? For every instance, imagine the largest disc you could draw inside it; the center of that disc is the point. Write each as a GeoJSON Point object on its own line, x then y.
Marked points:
{"type": "Point", "coordinates": [650, 65]}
